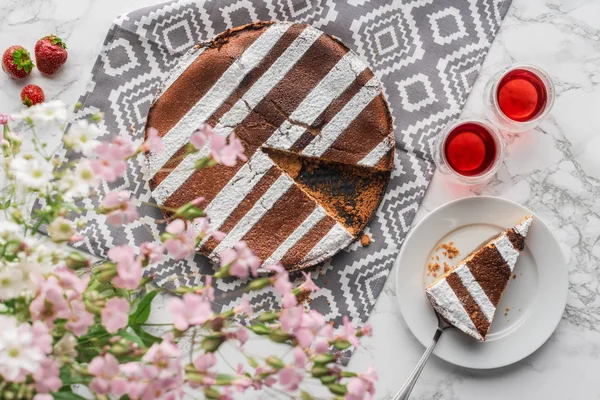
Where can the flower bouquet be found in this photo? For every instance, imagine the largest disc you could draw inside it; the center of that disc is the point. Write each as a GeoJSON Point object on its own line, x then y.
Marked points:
{"type": "Point", "coordinates": [74, 328]}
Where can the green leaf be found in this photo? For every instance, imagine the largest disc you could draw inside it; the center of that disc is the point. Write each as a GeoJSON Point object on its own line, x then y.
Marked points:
{"type": "Point", "coordinates": [146, 337]}
{"type": "Point", "coordinates": [142, 312]}
{"type": "Point", "coordinates": [67, 396]}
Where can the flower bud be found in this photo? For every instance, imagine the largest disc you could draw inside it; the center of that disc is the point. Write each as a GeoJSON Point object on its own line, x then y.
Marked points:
{"type": "Point", "coordinates": [323, 358]}
{"type": "Point", "coordinates": [189, 212]}
{"type": "Point", "coordinates": [212, 393]}
{"type": "Point", "coordinates": [259, 283]}
{"type": "Point", "coordinates": [341, 344]}
{"type": "Point", "coordinates": [76, 260]}
{"type": "Point", "coordinates": [338, 389]}
{"type": "Point", "coordinates": [212, 342]}
{"type": "Point", "coordinates": [280, 336]}
{"type": "Point", "coordinates": [319, 370]}
{"type": "Point", "coordinates": [274, 362]}
{"type": "Point", "coordinates": [327, 379]}
{"type": "Point", "coordinates": [268, 317]}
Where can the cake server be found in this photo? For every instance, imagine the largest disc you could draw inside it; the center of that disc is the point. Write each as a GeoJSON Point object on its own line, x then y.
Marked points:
{"type": "Point", "coordinates": [408, 386]}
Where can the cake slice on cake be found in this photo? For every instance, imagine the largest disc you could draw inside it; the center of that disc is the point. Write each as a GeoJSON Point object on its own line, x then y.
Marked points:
{"type": "Point", "coordinates": [468, 294]}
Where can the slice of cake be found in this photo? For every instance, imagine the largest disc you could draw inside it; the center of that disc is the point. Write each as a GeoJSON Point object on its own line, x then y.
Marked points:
{"type": "Point", "coordinates": [468, 294]}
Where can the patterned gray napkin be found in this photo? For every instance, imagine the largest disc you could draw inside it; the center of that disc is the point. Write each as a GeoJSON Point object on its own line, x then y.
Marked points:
{"type": "Point", "coordinates": [427, 55]}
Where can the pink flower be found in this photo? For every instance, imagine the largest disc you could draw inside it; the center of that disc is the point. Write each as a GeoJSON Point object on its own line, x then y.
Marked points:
{"type": "Point", "coordinates": [129, 270]}
{"type": "Point", "coordinates": [153, 142]}
{"type": "Point", "coordinates": [73, 285]}
{"type": "Point", "coordinates": [119, 208]}
{"type": "Point", "coordinates": [308, 284]}
{"type": "Point", "coordinates": [244, 307]}
{"type": "Point", "coordinates": [46, 377]}
{"type": "Point", "coordinates": [321, 346]}
{"type": "Point", "coordinates": [181, 243]}
{"type": "Point", "coordinates": [41, 337]}
{"type": "Point", "coordinates": [366, 330]}
{"type": "Point", "coordinates": [358, 387]}
{"type": "Point", "coordinates": [284, 287]}
{"type": "Point", "coordinates": [115, 314]}
{"type": "Point", "coordinates": [227, 153]}
{"type": "Point", "coordinates": [204, 229]}
{"type": "Point", "coordinates": [205, 361]}
{"type": "Point", "coordinates": [49, 303]}
{"type": "Point", "coordinates": [349, 332]}
{"type": "Point", "coordinates": [242, 261]}
{"type": "Point", "coordinates": [192, 310]}
{"type": "Point", "coordinates": [269, 380]}
{"type": "Point", "coordinates": [80, 320]}
{"type": "Point", "coordinates": [109, 165]}
{"type": "Point", "coordinates": [289, 378]}
{"type": "Point", "coordinates": [300, 358]}
{"type": "Point", "coordinates": [151, 253]}
{"type": "Point", "coordinates": [241, 335]}
{"type": "Point", "coordinates": [104, 368]}
{"type": "Point", "coordinates": [124, 146]}
{"type": "Point", "coordinates": [4, 118]}
{"type": "Point", "coordinates": [201, 136]}
{"type": "Point", "coordinates": [291, 318]}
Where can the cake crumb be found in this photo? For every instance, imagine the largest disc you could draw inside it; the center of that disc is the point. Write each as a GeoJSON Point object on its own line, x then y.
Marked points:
{"type": "Point", "coordinates": [437, 258]}
{"type": "Point", "coordinates": [507, 309]}
{"type": "Point", "coordinates": [446, 267]}
{"type": "Point", "coordinates": [365, 240]}
{"type": "Point", "coordinates": [445, 254]}
{"type": "Point", "coordinates": [432, 269]}
{"type": "Point", "coordinates": [450, 250]}
{"type": "Point", "coordinates": [514, 276]}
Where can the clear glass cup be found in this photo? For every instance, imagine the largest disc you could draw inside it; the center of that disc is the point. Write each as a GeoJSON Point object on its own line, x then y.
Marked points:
{"type": "Point", "coordinates": [495, 113]}
{"type": "Point", "coordinates": [445, 167]}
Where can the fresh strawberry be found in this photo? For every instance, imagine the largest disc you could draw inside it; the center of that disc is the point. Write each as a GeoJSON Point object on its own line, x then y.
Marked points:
{"type": "Point", "coordinates": [32, 95]}
{"type": "Point", "coordinates": [50, 54]}
{"type": "Point", "coordinates": [16, 62]}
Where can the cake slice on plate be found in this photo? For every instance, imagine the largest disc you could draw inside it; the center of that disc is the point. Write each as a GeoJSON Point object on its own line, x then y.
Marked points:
{"type": "Point", "coordinates": [468, 294]}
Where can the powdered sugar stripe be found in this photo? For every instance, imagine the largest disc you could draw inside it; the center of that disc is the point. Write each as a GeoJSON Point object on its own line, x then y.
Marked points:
{"type": "Point", "coordinates": [237, 189]}
{"type": "Point", "coordinates": [507, 250]}
{"type": "Point", "coordinates": [221, 90]}
{"type": "Point", "coordinates": [337, 237]}
{"type": "Point", "coordinates": [450, 307]}
{"type": "Point", "coordinates": [475, 290]}
{"type": "Point", "coordinates": [378, 152]}
{"type": "Point", "coordinates": [268, 80]}
{"type": "Point", "coordinates": [328, 89]}
{"type": "Point", "coordinates": [523, 227]}
{"type": "Point", "coordinates": [184, 62]}
{"type": "Point", "coordinates": [240, 110]}
{"type": "Point", "coordinates": [314, 218]}
{"type": "Point", "coordinates": [343, 119]}
{"type": "Point", "coordinates": [264, 204]}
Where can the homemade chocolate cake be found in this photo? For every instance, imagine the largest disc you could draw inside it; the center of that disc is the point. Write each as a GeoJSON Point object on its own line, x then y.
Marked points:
{"type": "Point", "coordinates": [316, 129]}
{"type": "Point", "coordinates": [468, 294]}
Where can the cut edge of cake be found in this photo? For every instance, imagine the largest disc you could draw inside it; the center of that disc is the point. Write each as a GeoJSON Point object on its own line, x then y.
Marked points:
{"type": "Point", "coordinates": [469, 303]}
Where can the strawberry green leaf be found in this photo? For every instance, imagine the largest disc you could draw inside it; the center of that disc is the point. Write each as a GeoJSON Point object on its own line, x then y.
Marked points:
{"type": "Point", "coordinates": [27, 101]}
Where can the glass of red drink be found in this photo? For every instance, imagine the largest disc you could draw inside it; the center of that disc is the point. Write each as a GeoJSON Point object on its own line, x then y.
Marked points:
{"type": "Point", "coordinates": [469, 150]}
{"type": "Point", "coordinates": [519, 97]}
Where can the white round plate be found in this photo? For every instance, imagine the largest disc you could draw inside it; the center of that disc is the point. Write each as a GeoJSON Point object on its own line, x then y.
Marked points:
{"type": "Point", "coordinates": [532, 304]}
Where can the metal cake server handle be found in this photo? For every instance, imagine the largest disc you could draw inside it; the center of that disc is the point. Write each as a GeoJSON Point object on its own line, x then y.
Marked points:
{"type": "Point", "coordinates": [404, 392]}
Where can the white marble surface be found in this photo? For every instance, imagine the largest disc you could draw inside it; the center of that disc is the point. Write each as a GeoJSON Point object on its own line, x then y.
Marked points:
{"type": "Point", "coordinates": [554, 170]}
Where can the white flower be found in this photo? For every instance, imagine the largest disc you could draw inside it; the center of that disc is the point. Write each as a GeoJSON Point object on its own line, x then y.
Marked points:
{"type": "Point", "coordinates": [17, 352]}
{"type": "Point", "coordinates": [77, 183]}
{"type": "Point", "coordinates": [15, 279]}
{"type": "Point", "coordinates": [45, 114]}
{"type": "Point", "coordinates": [41, 258]}
{"type": "Point", "coordinates": [61, 230]}
{"type": "Point", "coordinates": [32, 173]}
{"type": "Point", "coordinates": [9, 231]}
{"type": "Point", "coordinates": [66, 347]}
{"type": "Point", "coordinates": [81, 137]}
